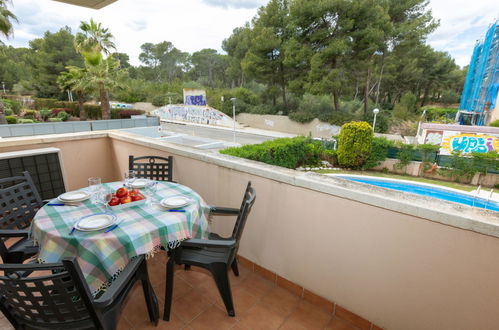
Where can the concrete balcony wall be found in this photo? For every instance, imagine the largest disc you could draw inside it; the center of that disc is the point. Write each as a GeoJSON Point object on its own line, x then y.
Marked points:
{"type": "Point", "coordinates": [401, 262]}
{"type": "Point", "coordinates": [83, 155]}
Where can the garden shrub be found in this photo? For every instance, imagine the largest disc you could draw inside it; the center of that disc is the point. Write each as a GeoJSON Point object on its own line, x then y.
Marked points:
{"type": "Point", "coordinates": [330, 156]}
{"type": "Point", "coordinates": [382, 121]}
{"type": "Point", "coordinates": [55, 120]}
{"type": "Point", "coordinates": [13, 105]}
{"type": "Point", "coordinates": [11, 120]}
{"type": "Point", "coordinates": [159, 100]}
{"type": "Point", "coordinates": [25, 121]}
{"type": "Point", "coordinates": [379, 152]}
{"type": "Point", "coordinates": [262, 109]}
{"type": "Point", "coordinates": [354, 144]}
{"type": "Point", "coordinates": [55, 112]}
{"type": "Point", "coordinates": [8, 112]}
{"type": "Point", "coordinates": [340, 117]}
{"type": "Point", "coordinates": [29, 114]}
{"type": "Point", "coordinates": [439, 114]}
{"type": "Point", "coordinates": [63, 115]}
{"type": "Point", "coordinates": [484, 162]}
{"type": "Point", "coordinates": [93, 111]}
{"type": "Point", "coordinates": [285, 152]}
{"type": "Point", "coordinates": [405, 155]}
{"type": "Point", "coordinates": [460, 168]}
{"type": "Point", "coordinates": [495, 123]}
{"type": "Point", "coordinates": [44, 114]}
{"type": "Point", "coordinates": [41, 103]}
{"type": "Point", "coordinates": [301, 116]}
{"type": "Point", "coordinates": [428, 152]}
{"type": "Point", "coordinates": [404, 128]}
{"type": "Point", "coordinates": [127, 114]}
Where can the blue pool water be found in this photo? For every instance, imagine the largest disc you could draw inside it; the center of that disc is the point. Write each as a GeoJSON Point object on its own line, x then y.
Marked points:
{"type": "Point", "coordinates": [424, 190]}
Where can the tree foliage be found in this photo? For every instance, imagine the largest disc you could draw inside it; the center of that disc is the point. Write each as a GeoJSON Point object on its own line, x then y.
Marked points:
{"type": "Point", "coordinates": [332, 59]}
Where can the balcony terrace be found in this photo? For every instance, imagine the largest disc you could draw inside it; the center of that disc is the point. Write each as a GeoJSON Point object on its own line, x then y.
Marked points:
{"type": "Point", "coordinates": [317, 252]}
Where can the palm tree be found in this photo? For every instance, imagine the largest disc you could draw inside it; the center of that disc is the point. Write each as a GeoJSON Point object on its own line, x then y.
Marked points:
{"type": "Point", "coordinates": [93, 38]}
{"type": "Point", "coordinates": [105, 74]}
{"type": "Point", "coordinates": [75, 80]}
{"type": "Point", "coordinates": [6, 18]}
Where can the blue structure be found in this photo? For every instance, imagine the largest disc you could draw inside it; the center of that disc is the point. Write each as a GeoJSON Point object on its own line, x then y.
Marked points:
{"type": "Point", "coordinates": [482, 81]}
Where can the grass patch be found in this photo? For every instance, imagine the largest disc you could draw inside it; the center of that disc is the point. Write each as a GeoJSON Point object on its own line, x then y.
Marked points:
{"type": "Point", "coordinates": [453, 185]}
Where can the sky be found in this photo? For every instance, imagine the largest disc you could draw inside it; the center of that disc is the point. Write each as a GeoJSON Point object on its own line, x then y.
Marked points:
{"type": "Point", "coordinates": [192, 25]}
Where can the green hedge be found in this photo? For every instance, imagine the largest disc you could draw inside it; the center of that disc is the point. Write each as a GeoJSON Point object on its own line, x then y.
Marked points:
{"type": "Point", "coordinates": [11, 120]}
{"type": "Point", "coordinates": [93, 111]}
{"type": "Point", "coordinates": [379, 152]}
{"type": "Point", "coordinates": [285, 152]}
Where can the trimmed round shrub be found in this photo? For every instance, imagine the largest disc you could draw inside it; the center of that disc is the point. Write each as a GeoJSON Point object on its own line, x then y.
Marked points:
{"type": "Point", "coordinates": [11, 120]}
{"type": "Point", "coordinates": [8, 112]}
{"type": "Point", "coordinates": [63, 115]}
{"type": "Point", "coordinates": [354, 144]}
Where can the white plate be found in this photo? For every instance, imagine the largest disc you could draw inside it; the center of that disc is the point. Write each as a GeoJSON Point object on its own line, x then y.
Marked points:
{"type": "Point", "coordinates": [175, 201]}
{"type": "Point", "coordinates": [96, 222]}
{"type": "Point", "coordinates": [74, 196]}
{"type": "Point", "coordinates": [140, 183]}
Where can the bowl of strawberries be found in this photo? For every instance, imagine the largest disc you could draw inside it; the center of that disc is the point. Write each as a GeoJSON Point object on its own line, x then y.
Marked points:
{"type": "Point", "coordinates": [124, 198]}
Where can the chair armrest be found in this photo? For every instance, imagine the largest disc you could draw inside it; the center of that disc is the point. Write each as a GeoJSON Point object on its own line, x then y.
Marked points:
{"type": "Point", "coordinates": [197, 242]}
{"type": "Point", "coordinates": [224, 210]}
{"type": "Point", "coordinates": [117, 286]}
{"type": "Point", "coordinates": [14, 233]}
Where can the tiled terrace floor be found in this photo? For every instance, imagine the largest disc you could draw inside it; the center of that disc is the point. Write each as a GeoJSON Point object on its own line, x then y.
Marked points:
{"type": "Point", "coordinates": [259, 304]}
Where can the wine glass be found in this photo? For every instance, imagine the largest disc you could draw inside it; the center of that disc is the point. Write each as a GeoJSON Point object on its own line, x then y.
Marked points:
{"type": "Point", "coordinates": [105, 197]}
{"type": "Point", "coordinates": [149, 191]}
{"type": "Point", "coordinates": [93, 187]}
{"type": "Point", "coordinates": [129, 178]}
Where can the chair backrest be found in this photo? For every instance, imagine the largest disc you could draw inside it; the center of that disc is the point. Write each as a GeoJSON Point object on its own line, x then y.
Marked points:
{"type": "Point", "coordinates": [248, 200]}
{"type": "Point", "coordinates": [52, 296]}
{"type": "Point", "coordinates": [19, 202]}
{"type": "Point", "coordinates": [152, 167]}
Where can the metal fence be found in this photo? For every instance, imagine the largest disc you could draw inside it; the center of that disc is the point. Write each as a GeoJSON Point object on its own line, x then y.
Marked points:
{"type": "Point", "coordinates": [16, 130]}
{"type": "Point", "coordinates": [440, 160]}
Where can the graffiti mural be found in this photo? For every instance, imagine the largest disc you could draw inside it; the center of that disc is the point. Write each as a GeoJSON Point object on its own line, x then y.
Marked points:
{"type": "Point", "coordinates": [468, 142]}
{"type": "Point", "coordinates": [194, 114]}
{"type": "Point", "coordinates": [433, 137]}
{"type": "Point", "coordinates": [195, 100]}
{"type": "Point", "coordinates": [194, 96]}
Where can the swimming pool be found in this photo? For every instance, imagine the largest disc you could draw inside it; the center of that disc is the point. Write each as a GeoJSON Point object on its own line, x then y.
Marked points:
{"type": "Point", "coordinates": [450, 195]}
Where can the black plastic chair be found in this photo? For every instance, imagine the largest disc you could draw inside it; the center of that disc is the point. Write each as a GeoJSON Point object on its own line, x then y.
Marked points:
{"type": "Point", "coordinates": [152, 167]}
{"type": "Point", "coordinates": [215, 254]}
{"type": "Point", "coordinates": [62, 300]}
{"type": "Point", "coordinates": [19, 202]}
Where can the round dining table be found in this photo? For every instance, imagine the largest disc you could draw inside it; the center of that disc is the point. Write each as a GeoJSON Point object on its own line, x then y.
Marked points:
{"type": "Point", "coordinates": [141, 230]}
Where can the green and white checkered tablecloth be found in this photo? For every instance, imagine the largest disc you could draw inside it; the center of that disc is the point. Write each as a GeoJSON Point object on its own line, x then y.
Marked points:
{"type": "Point", "coordinates": [141, 230]}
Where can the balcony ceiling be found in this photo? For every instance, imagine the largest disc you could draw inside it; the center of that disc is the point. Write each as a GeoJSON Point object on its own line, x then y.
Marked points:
{"type": "Point", "coordinates": [94, 4]}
